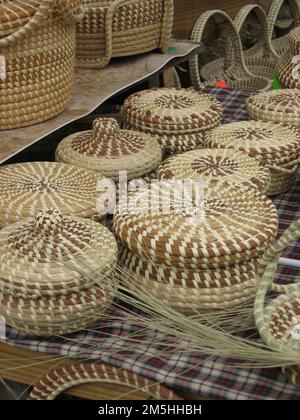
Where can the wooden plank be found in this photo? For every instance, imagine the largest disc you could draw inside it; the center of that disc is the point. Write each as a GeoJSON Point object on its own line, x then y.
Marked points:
{"type": "Point", "coordinates": [188, 11]}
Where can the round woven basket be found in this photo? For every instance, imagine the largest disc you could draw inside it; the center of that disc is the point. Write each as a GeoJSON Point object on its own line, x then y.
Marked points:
{"type": "Point", "coordinates": [177, 118]}
{"type": "Point", "coordinates": [37, 52]}
{"type": "Point", "coordinates": [279, 106]}
{"type": "Point", "coordinates": [60, 380]}
{"type": "Point", "coordinates": [288, 69]}
{"type": "Point", "coordinates": [260, 59]}
{"type": "Point", "coordinates": [232, 69]}
{"type": "Point", "coordinates": [211, 166]}
{"type": "Point", "coordinates": [279, 322]}
{"type": "Point", "coordinates": [110, 150]}
{"type": "Point", "coordinates": [57, 273]}
{"type": "Point", "coordinates": [118, 28]}
{"type": "Point", "coordinates": [275, 145]}
{"type": "Point", "coordinates": [27, 188]}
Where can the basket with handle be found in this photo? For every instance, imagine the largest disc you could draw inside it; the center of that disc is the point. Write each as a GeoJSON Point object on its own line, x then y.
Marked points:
{"type": "Point", "coordinates": [233, 69]}
{"type": "Point", "coordinates": [259, 59]}
{"type": "Point", "coordinates": [279, 321]}
{"type": "Point", "coordinates": [118, 28]}
{"type": "Point", "coordinates": [288, 69]}
{"type": "Point", "coordinates": [37, 49]}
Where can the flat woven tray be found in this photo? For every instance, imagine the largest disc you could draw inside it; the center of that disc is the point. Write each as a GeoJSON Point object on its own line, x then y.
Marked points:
{"type": "Point", "coordinates": [211, 166]}
{"type": "Point", "coordinates": [109, 150]}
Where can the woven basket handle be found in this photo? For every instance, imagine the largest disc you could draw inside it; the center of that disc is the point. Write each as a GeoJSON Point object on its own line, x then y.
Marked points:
{"type": "Point", "coordinates": [235, 61]}
{"type": "Point", "coordinates": [294, 167]}
{"type": "Point", "coordinates": [274, 13]}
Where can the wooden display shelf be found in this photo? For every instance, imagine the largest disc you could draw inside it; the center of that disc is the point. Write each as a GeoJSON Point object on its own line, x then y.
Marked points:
{"type": "Point", "coordinates": [92, 88]}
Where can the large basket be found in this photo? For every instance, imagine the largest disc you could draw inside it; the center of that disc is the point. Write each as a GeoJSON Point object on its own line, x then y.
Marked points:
{"type": "Point", "coordinates": [37, 51]}
{"type": "Point", "coordinates": [277, 322]}
{"type": "Point", "coordinates": [232, 69]}
{"type": "Point", "coordinates": [59, 380]}
{"type": "Point", "coordinates": [118, 28]}
{"type": "Point", "coordinates": [288, 68]}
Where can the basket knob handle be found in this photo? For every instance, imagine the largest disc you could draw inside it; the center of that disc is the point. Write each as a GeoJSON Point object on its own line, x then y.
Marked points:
{"type": "Point", "coordinates": [105, 129]}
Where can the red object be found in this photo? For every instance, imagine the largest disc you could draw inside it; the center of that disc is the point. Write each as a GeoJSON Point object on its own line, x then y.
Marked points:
{"type": "Point", "coordinates": [222, 85]}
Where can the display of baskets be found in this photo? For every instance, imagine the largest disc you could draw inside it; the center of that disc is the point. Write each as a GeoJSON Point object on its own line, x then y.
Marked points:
{"type": "Point", "coordinates": [233, 69]}
{"type": "Point", "coordinates": [279, 322]}
{"type": "Point", "coordinates": [61, 379]}
{"type": "Point", "coordinates": [56, 273]}
{"type": "Point", "coordinates": [27, 188]}
{"type": "Point", "coordinates": [177, 118]}
{"type": "Point", "coordinates": [211, 166]}
{"type": "Point", "coordinates": [118, 28]}
{"type": "Point", "coordinates": [110, 150]}
{"type": "Point", "coordinates": [37, 47]}
{"type": "Point", "coordinates": [279, 106]}
{"type": "Point", "coordinates": [275, 145]}
{"type": "Point", "coordinates": [288, 69]}
{"type": "Point", "coordinates": [260, 59]}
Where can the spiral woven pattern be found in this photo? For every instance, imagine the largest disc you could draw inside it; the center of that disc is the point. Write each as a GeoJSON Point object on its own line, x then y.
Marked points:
{"type": "Point", "coordinates": [213, 166]}
{"type": "Point", "coordinates": [109, 150]}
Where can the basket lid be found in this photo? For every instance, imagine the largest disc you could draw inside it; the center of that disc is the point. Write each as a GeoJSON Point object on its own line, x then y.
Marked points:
{"type": "Point", "coordinates": [214, 165]}
{"type": "Point", "coordinates": [109, 150]}
{"type": "Point", "coordinates": [271, 143]}
{"type": "Point", "coordinates": [172, 110]}
{"type": "Point", "coordinates": [28, 188]}
{"type": "Point", "coordinates": [54, 254]}
{"type": "Point", "coordinates": [182, 228]}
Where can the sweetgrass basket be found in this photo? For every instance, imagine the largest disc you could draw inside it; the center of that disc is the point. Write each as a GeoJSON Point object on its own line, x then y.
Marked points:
{"type": "Point", "coordinates": [278, 323]}
{"type": "Point", "coordinates": [287, 69]}
{"type": "Point", "coordinates": [233, 69]}
{"type": "Point", "coordinates": [37, 49]}
{"type": "Point", "coordinates": [118, 28]}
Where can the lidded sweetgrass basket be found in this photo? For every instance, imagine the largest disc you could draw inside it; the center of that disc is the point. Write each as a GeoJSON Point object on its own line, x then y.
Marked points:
{"type": "Point", "coordinates": [37, 52]}
{"type": "Point", "coordinates": [288, 69]}
{"type": "Point", "coordinates": [118, 28]}
{"type": "Point", "coordinates": [56, 273]}
{"type": "Point", "coordinates": [275, 145]}
{"type": "Point", "coordinates": [278, 322]}
{"type": "Point", "coordinates": [177, 118]}
{"type": "Point", "coordinates": [109, 150]}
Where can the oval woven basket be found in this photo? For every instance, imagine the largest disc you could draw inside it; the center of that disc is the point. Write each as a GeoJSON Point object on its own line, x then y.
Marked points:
{"type": "Point", "coordinates": [109, 150]}
{"type": "Point", "coordinates": [27, 188]}
{"type": "Point", "coordinates": [275, 145]}
{"type": "Point", "coordinates": [279, 106]}
{"type": "Point", "coordinates": [118, 28]}
{"type": "Point", "coordinates": [212, 166]}
{"type": "Point", "coordinates": [279, 322]}
{"type": "Point", "coordinates": [288, 69]}
{"type": "Point", "coordinates": [259, 59]}
{"type": "Point", "coordinates": [233, 69]}
{"type": "Point", "coordinates": [37, 50]}
{"type": "Point", "coordinates": [58, 380]}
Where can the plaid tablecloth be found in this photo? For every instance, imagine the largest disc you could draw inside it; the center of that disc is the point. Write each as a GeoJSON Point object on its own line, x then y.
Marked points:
{"type": "Point", "coordinates": [208, 377]}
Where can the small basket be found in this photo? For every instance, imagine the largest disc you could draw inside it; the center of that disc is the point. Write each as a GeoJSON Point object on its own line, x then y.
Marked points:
{"type": "Point", "coordinates": [212, 166]}
{"type": "Point", "coordinates": [118, 28]}
{"type": "Point", "coordinates": [275, 145]}
{"type": "Point", "coordinates": [232, 69]}
{"type": "Point", "coordinates": [109, 150]}
{"type": "Point", "coordinates": [277, 321]}
{"type": "Point", "coordinates": [37, 47]}
{"type": "Point", "coordinates": [59, 380]}
{"type": "Point", "coordinates": [260, 59]}
{"type": "Point", "coordinates": [288, 68]}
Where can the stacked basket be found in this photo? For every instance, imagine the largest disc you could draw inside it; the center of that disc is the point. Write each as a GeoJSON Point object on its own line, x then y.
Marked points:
{"type": "Point", "coordinates": [197, 253]}
{"type": "Point", "coordinates": [274, 145]}
{"type": "Point", "coordinates": [56, 273]}
{"type": "Point", "coordinates": [288, 68]}
{"type": "Point", "coordinates": [37, 51]}
{"type": "Point", "coordinates": [118, 28]}
{"type": "Point", "coordinates": [177, 118]}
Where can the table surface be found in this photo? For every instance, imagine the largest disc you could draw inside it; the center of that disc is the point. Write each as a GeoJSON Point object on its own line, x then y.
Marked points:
{"type": "Point", "coordinates": [98, 86]}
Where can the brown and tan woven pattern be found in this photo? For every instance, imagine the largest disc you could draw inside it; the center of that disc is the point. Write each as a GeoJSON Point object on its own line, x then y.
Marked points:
{"type": "Point", "coordinates": [226, 166]}
{"type": "Point", "coordinates": [275, 145]}
{"type": "Point", "coordinates": [27, 188]}
{"type": "Point", "coordinates": [279, 106]}
{"type": "Point", "coordinates": [37, 41]}
{"type": "Point", "coordinates": [118, 28]}
{"type": "Point", "coordinates": [177, 118]}
{"type": "Point", "coordinates": [56, 273]}
{"type": "Point", "coordinates": [288, 71]}
{"type": "Point", "coordinates": [109, 150]}
{"type": "Point", "coordinates": [59, 380]}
